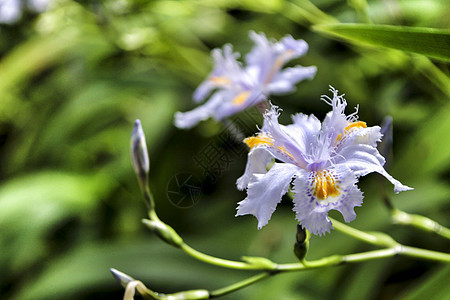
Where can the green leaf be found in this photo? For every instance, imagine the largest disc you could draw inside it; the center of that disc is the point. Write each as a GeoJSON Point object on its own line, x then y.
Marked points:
{"type": "Point", "coordinates": [32, 205]}
{"type": "Point", "coordinates": [431, 42]}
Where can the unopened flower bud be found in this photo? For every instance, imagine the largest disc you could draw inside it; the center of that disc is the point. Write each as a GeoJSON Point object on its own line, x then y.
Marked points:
{"type": "Point", "coordinates": [139, 153]}
{"type": "Point", "coordinates": [301, 242]}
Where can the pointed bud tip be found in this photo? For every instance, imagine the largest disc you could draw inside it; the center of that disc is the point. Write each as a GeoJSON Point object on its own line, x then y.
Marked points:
{"type": "Point", "coordinates": [122, 278]}
{"type": "Point", "coordinates": [139, 153]}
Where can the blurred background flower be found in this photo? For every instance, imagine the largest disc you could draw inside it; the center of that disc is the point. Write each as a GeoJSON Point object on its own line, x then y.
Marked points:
{"type": "Point", "coordinates": [12, 10]}
{"type": "Point", "coordinates": [75, 77]}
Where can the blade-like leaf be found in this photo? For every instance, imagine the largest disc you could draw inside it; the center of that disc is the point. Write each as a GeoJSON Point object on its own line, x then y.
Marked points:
{"type": "Point", "coordinates": [431, 42]}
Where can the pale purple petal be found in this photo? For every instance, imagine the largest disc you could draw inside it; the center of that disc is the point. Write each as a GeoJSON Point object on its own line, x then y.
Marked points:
{"type": "Point", "coordinates": [304, 131]}
{"type": "Point", "coordinates": [299, 47]}
{"type": "Point", "coordinates": [261, 76]}
{"type": "Point", "coordinates": [364, 159]}
{"type": "Point", "coordinates": [257, 161]}
{"type": "Point", "coordinates": [266, 191]}
{"type": "Point", "coordinates": [369, 136]}
{"type": "Point", "coordinates": [312, 212]}
{"type": "Point", "coordinates": [285, 80]}
{"type": "Point", "coordinates": [226, 69]}
{"type": "Point", "coordinates": [282, 138]}
{"type": "Point", "coordinates": [203, 90]}
{"type": "Point", "coordinates": [261, 54]}
{"type": "Point", "coordinates": [269, 57]}
{"type": "Point", "coordinates": [10, 11]}
{"type": "Point", "coordinates": [186, 120]}
{"type": "Point", "coordinates": [336, 120]}
{"type": "Point", "coordinates": [229, 106]}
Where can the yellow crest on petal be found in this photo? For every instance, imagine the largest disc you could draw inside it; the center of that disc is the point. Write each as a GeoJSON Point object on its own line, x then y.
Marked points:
{"type": "Point", "coordinates": [241, 97]}
{"type": "Point", "coordinates": [350, 127]}
{"type": "Point", "coordinates": [324, 185]}
{"type": "Point", "coordinates": [258, 140]}
{"type": "Point", "coordinates": [220, 80]}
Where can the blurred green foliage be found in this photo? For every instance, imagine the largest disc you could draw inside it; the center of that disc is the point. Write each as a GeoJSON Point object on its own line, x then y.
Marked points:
{"type": "Point", "coordinates": [73, 80]}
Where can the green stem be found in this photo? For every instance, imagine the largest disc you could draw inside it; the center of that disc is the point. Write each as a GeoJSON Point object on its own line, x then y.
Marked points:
{"type": "Point", "coordinates": [377, 238]}
{"type": "Point", "coordinates": [230, 264]}
{"type": "Point", "coordinates": [420, 222]}
{"type": "Point", "coordinates": [239, 285]}
{"type": "Point", "coordinates": [424, 254]}
{"type": "Point", "coordinates": [150, 202]}
{"type": "Point", "coordinates": [330, 261]}
{"type": "Point", "coordinates": [355, 233]}
{"type": "Point", "coordinates": [335, 260]}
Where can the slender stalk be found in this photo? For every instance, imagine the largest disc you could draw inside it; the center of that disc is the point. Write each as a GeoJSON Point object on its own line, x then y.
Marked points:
{"type": "Point", "coordinates": [425, 254]}
{"type": "Point", "coordinates": [239, 285]}
{"type": "Point", "coordinates": [378, 238]}
{"type": "Point", "coordinates": [225, 263]}
{"type": "Point", "coordinates": [420, 222]}
{"type": "Point", "coordinates": [150, 202]}
{"type": "Point", "coordinates": [355, 233]}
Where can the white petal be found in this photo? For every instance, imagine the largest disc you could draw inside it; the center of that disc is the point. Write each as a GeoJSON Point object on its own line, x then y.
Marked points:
{"type": "Point", "coordinates": [203, 90]}
{"type": "Point", "coordinates": [258, 158]}
{"type": "Point", "coordinates": [284, 81]}
{"type": "Point", "coordinates": [10, 11]}
{"type": "Point", "coordinates": [228, 107]}
{"type": "Point", "coordinates": [265, 192]}
{"type": "Point", "coordinates": [283, 139]}
{"type": "Point", "coordinates": [369, 136]}
{"type": "Point", "coordinates": [304, 130]}
{"type": "Point", "coordinates": [189, 119]}
{"type": "Point", "coordinates": [312, 212]}
{"type": "Point", "coordinates": [364, 159]}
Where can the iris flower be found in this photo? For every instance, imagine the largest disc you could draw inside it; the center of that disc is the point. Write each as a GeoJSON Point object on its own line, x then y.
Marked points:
{"type": "Point", "coordinates": [237, 87]}
{"type": "Point", "coordinates": [11, 10]}
{"type": "Point", "coordinates": [323, 161]}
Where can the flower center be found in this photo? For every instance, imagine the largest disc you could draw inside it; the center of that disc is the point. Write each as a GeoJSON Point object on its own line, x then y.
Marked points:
{"type": "Point", "coordinates": [241, 97]}
{"type": "Point", "coordinates": [324, 185]}
{"type": "Point", "coordinates": [350, 127]}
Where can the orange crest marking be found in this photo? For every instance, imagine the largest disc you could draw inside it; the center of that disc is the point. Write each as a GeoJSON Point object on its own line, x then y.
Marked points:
{"type": "Point", "coordinates": [240, 98]}
{"type": "Point", "coordinates": [221, 80]}
{"type": "Point", "coordinates": [324, 185]}
{"type": "Point", "coordinates": [258, 140]}
{"type": "Point", "coordinates": [350, 127]}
